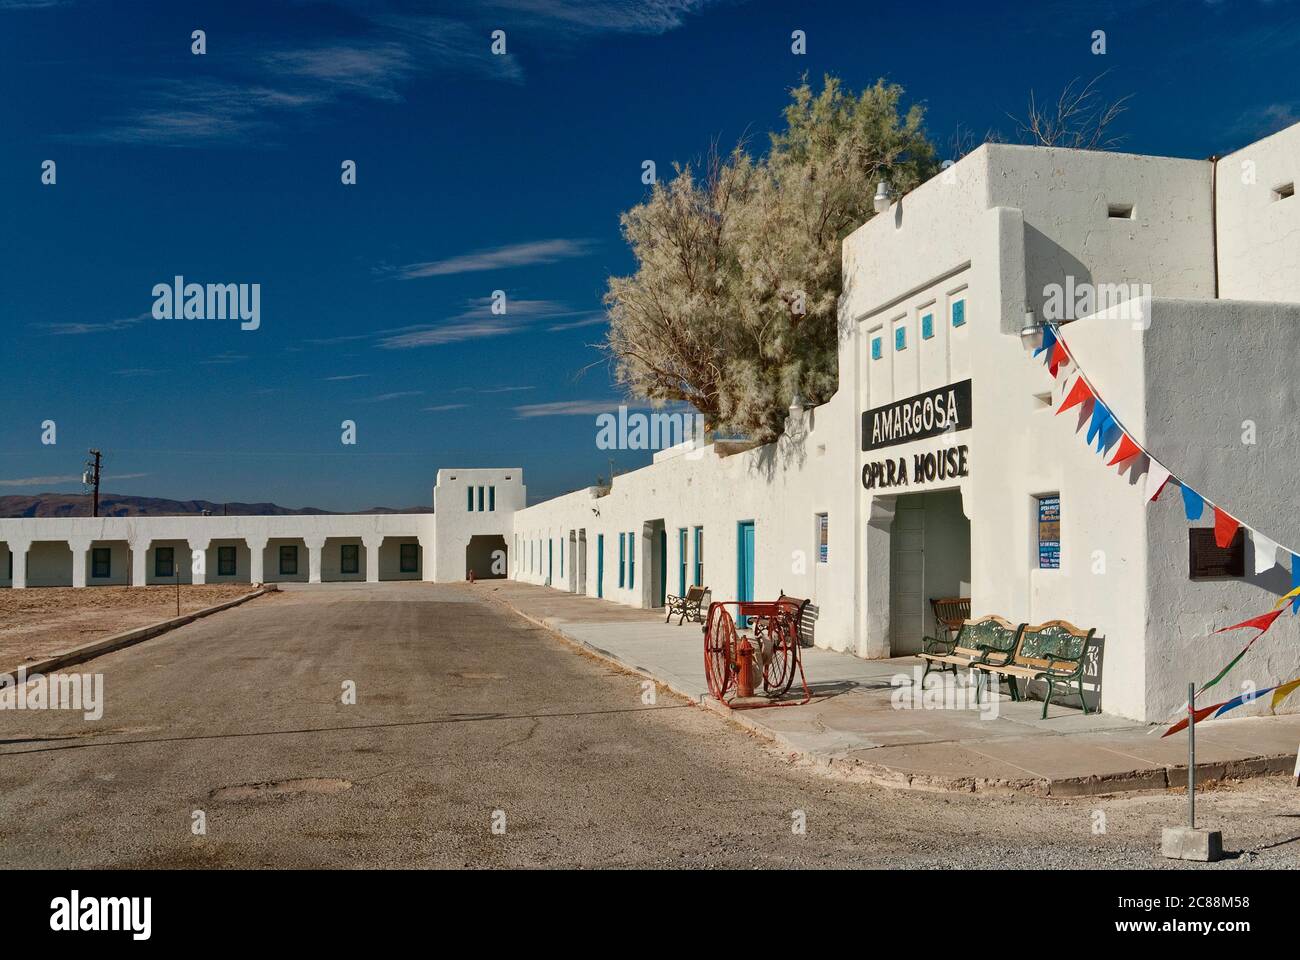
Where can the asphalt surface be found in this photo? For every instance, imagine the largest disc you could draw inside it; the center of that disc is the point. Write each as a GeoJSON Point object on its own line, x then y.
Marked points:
{"type": "Point", "coordinates": [469, 718]}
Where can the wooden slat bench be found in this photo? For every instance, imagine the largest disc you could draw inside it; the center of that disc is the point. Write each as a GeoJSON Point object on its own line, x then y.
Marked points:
{"type": "Point", "coordinates": [691, 605]}
{"type": "Point", "coordinates": [1053, 651]}
{"type": "Point", "coordinates": [988, 641]}
{"type": "Point", "coordinates": [950, 613]}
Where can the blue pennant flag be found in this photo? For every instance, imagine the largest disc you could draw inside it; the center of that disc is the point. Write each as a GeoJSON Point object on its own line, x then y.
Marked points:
{"type": "Point", "coordinates": [1100, 423]}
{"type": "Point", "coordinates": [1295, 582]}
{"type": "Point", "coordinates": [1192, 503]}
{"type": "Point", "coordinates": [1049, 341]}
{"type": "Point", "coordinates": [1243, 699]}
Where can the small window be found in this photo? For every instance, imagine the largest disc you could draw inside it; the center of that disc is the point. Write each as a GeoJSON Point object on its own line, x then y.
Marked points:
{"type": "Point", "coordinates": [699, 556]}
{"type": "Point", "coordinates": [900, 338]}
{"type": "Point", "coordinates": [823, 537]}
{"type": "Point", "coordinates": [469, 500]}
{"type": "Point", "coordinates": [225, 561]}
{"type": "Point", "coordinates": [101, 562]}
{"type": "Point", "coordinates": [622, 559]}
{"type": "Point", "coordinates": [480, 499]}
{"type": "Point", "coordinates": [927, 326]}
{"type": "Point", "coordinates": [631, 562]}
{"type": "Point", "coordinates": [349, 558]}
{"type": "Point", "coordinates": [877, 348]}
{"type": "Point", "coordinates": [1120, 211]}
{"type": "Point", "coordinates": [959, 312]}
{"type": "Point", "coordinates": [289, 560]}
{"type": "Point", "coordinates": [164, 562]}
{"type": "Point", "coordinates": [492, 499]}
{"type": "Point", "coordinates": [1044, 400]}
{"type": "Point", "coordinates": [409, 559]}
{"type": "Point", "coordinates": [1284, 191]}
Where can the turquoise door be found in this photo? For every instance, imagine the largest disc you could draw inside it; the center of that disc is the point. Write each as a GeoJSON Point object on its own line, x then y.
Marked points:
{"type": "Point", "coordinates": [681, 562]}
{"type": "Point", "coordinates": [550, 559]}
{"type": "Point", "coordinates": [745, 566]}
{"type": "Point", "coordinates": [600, 565]}
{"type": "Point", "coordinates": [663, 568]}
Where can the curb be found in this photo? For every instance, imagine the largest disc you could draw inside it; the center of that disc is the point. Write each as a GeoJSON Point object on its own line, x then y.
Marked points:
{"type": "Point", "coordinates": [129, 638]}
{"type": "Point", "coordinates": [858, 771]}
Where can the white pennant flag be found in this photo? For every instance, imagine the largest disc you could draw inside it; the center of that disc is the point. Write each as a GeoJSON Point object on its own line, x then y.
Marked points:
{"type": "Point", "coordinates": [1266, 552]}
{"type": "Point", "coordinates": [1157, 477]}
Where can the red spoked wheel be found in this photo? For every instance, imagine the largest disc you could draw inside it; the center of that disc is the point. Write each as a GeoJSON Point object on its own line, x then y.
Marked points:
{"type": "Point", "coordinates": [781, 650]}
{"type": "Point", "coordinates": [719, 651]}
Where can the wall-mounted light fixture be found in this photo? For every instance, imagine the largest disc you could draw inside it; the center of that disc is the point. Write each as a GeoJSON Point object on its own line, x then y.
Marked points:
{"type": "Point", "coordinates": [1032, 332]}
{"type": "Point", "coordinates": [881, 199]}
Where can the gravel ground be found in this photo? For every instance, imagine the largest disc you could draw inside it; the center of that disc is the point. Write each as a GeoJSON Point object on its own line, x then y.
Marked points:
{"type": "Point", "coordinates": [464, 710]}
{"type": "Point", "coordinates": [41, 621]}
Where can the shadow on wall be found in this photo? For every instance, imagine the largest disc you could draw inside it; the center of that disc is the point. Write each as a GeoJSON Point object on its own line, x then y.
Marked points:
{"type": "Point", "coordinates": [1069, 696]}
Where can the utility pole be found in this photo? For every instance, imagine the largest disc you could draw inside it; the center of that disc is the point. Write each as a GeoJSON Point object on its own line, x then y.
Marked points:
{"type": "Point", "coordinates": [91, 476]}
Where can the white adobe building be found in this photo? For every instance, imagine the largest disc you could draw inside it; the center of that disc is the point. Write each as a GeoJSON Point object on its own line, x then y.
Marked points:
{"type": "Point", "coordinates": [936, 294]}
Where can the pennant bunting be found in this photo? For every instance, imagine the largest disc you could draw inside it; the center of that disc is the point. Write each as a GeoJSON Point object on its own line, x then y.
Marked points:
{"type": "Point", "coordinates": [1127, 450]}
{"type": "Point", "coordinates": [1157, 477]}
{"type": "Point", "coordinates": [1057, 357]}
{"type": "Point", "coordinates": [1232, 663]}
{"type": "Point", "coordinates": [1225, 528]}
{"type": "Point", "coordinates": [1193, 503]}
{"type": "Point", "coordinates": [1049, 341]}
{"type": "Point", "coordinates": [1236, 702]}
{"type": "Point", "coordinates": [1295, 582]}
{"type": "Point", "coordinates": [1280, 693]}
{"type": "Point", "coordinates": [1265, 552]}
{"type": "Point", "coordinates": [1201, 714]}
{"type": "Point", "coordinates": [1295, 592]}
{"type": "Point", "coordinates": [1260, 623]}
{"type": "Point", "coordinates": [1101, 419]}
{"type": "Point", "coordinates": [1078, 394]}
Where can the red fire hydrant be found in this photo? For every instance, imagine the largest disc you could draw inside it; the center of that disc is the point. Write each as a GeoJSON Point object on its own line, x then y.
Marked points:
{"type": "Point", "coordinates": [745, 668]}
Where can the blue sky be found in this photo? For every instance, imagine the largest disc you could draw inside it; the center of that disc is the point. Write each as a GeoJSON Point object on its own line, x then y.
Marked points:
{"type": "Point", "coordinates": [474, 173]}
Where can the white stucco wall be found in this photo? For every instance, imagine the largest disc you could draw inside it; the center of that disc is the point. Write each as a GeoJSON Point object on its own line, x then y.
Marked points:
{"type": "Point", "coordinates": [1259, 232]}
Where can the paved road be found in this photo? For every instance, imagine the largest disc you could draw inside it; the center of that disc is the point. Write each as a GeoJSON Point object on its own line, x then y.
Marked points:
{"type": "Point", "coordinates": [462, 710]}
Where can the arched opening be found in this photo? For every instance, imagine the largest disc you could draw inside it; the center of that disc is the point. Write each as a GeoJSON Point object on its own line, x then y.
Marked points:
{"type": "Point", "coordinates": [485, 557]}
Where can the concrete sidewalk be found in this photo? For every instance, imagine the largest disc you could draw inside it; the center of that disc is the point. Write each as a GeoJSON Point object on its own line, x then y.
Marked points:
{"type": "Point", "coordinates": [852, 727]}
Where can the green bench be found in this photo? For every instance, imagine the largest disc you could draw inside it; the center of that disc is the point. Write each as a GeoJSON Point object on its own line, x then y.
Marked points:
{"type": "Point", "coordinates": [987, 642]}
{"type": "Point", "coordinates": [1054, 651]}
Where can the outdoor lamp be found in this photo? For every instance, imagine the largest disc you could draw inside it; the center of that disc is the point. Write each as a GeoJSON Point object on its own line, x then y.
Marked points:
{"type": "Point", "coordinates": [1032, 330]}
{"type": "Point", "coordinates": [881, 199]}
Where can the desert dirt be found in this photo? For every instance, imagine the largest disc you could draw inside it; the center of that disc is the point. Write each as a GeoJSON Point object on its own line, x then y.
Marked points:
{"type": "Point", "coordinates": [39, 622]}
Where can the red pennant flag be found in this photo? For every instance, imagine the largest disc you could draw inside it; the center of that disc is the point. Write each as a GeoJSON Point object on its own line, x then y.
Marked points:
{"type": "Point", "coordinates": [1201, 714]}
{"type": "Point", "coordinates": [1127, 450]}
{"type": "Point", "coordinates": [1260, 623]}
{"type": "Point", "coordinates": [1059, 356]}
{"type": "Point", "coordinates": [1225, 528]}
{"type": "Point", "coordinates": [1079, 393]}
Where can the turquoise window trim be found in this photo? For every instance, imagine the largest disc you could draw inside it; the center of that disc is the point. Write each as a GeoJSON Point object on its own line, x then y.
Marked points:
{"type": "Point", "coordinates": [622, 559]}
{"type": "Point", "coordinates": [900, 338]}
{"type": "Point", "coordinates": [959, 312]}
{"type": "Point", "coordinates": [876, 348]}
{"type": "Point", "coordinates": [927, 326]}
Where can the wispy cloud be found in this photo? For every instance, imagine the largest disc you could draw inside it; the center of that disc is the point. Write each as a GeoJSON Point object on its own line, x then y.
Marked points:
{"type": "Point", "coordinates": [590, 320]}
{"type": "Point", "coordinates": [518, 389]}
{"type": "Point", "coordinates": [224, 358]}
{"type": "Point", "coordinates": [568, 408]}
{"type": "Point", "coordinates": [395, 395]}
{"type": "Point", "coordinates": [445, 406]}
{"type": "Point", "coordinates": [60, 481]}
{"type": "Point", "coordinates": [475, 323]}
{"type": "Point", "coordinates": [498, 258]}
{"type": "Point", "coordinates": [94, 326]}
{"type": "Point", "coordinates": [346, 376]}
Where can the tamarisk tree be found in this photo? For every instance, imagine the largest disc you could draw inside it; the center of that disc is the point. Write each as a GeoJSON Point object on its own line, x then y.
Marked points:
{"type": "Point", "coordinates": [733, 306]}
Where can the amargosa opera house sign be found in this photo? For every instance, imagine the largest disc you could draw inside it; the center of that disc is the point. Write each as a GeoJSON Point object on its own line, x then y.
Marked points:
{"type": "Point", "coordinates": [943, 410]}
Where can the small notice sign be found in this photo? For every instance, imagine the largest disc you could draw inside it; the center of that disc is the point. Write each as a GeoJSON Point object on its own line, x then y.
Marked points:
{"type": "Point", "coordinates": [1049, 533]}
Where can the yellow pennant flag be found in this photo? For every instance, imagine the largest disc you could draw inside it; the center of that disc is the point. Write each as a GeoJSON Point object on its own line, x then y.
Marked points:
{"type": "Point", "coordinates": [1290, 596]}
{"type": "Point", "coordinates": [1281, 693]}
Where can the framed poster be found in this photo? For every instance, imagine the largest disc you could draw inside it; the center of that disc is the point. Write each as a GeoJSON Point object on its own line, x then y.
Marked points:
{"type": "Point", "coordinates": [1049, 532]}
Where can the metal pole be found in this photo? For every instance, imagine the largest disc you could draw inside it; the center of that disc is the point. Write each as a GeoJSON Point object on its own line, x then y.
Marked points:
{"type": "Point", "coordinates": [1191, 755]}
